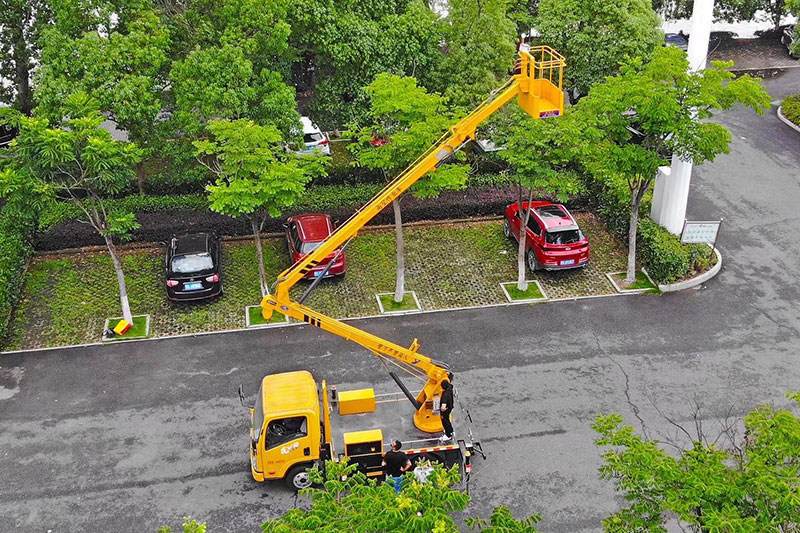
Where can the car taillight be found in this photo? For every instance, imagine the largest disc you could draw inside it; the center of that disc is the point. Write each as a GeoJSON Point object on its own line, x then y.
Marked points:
{"type": "Point", "coordinates": [213, 279]}
{"type": "Point", "coordinates": [172, 282]}
{"type": "Point", "coordinates": [323, 142]}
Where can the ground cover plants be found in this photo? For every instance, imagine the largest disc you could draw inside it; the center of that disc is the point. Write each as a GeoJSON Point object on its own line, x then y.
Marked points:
{"type": "Point", "coordinates": [67, 297]}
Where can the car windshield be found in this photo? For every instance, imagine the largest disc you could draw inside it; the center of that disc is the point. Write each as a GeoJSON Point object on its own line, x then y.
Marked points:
{"type": "Point", "coordinates": [308, 247]}
{"type": "Point", "coordinates": [569, 236]}
{"type": "Point", "coordinates": [186, 264]}
{"type": "Point", "coordinates": [312, 137]}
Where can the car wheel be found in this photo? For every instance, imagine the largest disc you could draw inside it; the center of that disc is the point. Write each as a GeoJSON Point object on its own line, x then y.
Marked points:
{"type": "Point", "coordinates": [507, 229]}
{"type": "Point", "coordinates": [298, 478]}
{"type": "Point", "coordinates": [533, 264]}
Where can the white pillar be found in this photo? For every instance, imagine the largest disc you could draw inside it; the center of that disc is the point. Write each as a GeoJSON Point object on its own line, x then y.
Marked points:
{"type": "Point", "coordinates": [671, 192]}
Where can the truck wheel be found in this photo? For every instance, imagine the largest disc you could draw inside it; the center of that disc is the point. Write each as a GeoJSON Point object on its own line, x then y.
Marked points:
{"type": "Point", "coordinates": [298, 478]}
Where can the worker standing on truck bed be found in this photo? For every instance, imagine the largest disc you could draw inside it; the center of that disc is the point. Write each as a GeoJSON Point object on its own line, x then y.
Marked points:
{"type": "Point", "coordinates": [446, 407]}
{"type": "Point", "coordinates": [396, 464]}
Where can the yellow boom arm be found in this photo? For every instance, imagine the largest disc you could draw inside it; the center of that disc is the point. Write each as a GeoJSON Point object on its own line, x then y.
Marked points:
{"type": "Point", "coordinates": [537, 87]}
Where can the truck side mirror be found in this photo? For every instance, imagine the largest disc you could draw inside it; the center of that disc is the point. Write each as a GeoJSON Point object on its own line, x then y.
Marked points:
{"type": "Point", "coordinates": [241, 397]}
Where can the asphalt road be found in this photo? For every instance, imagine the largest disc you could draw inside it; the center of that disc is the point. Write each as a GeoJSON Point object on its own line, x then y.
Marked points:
{"type": "Point", "coordinates": [131, 436]}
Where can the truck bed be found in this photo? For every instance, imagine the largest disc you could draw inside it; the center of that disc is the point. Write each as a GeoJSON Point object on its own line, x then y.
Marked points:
{"type": "Point", "coordinates": [394, 416]}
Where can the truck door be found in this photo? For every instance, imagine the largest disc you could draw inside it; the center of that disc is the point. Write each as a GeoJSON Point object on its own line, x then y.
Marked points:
{"type": "Point", "coordinates": [286, 443]}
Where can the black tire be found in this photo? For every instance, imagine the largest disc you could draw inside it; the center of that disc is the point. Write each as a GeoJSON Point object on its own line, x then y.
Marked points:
{"type": "Point", "coordinates": [297, 478]}
{"type": "Point", "coordinates": [506, 228]}
{"type": "Point", "coordinates": [533, 264]}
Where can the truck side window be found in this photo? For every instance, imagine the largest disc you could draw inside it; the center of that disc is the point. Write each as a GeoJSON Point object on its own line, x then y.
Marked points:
{"type": "Point", "coordinates": [283, 430]}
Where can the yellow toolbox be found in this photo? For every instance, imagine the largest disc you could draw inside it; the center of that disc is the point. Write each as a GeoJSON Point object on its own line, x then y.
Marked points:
{"type": "Point", "coordinates": [352, 402]}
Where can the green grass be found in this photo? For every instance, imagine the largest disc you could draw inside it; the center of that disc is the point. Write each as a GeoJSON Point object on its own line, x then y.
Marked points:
{"type": "Point", "coordinates": [642, 281]}
{"type": "Point", "coordinates": [257, 319]}
{"type": "Point", "coordinates": [389, 305]}
{"type": "Point", "coordinates": [138, 328]}
{"type": "Point", "coordinates": [531, 293]}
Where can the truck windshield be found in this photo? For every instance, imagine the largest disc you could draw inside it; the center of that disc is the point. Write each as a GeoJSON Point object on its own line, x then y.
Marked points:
{"type": "Point", "coordinates": [258, 414]}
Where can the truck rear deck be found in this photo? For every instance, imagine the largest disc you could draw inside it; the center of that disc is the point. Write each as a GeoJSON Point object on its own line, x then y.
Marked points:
{"type": "Point", "coordinates": [394, 418]}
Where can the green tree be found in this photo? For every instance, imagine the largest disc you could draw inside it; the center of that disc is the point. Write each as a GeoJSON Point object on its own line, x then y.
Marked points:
{"type": "Point", "coordinates": [348, 501]}
{"type": "Point", "coordinates": [596, 36]}
{"type": "Point", "coordinates": [480, 41]}
{"type": "Point", "coordinates": [256, 176]}
{"type": "Point", "coordinates": [231, 61]}
{"type": "Point", "coordinates": [407, 120]}
{"type": "Point", "coordinates": [121, 61]}
{"type": "Point", "coordinates": [345, 44]}
{"type": "Point", "coordinates": [77, 161]}
{"type": "Point", "coordinates": [189, 526]}
{"type": "Point", "coordinates": [21, 24]}
{"type": "Point", "coordinates": [221, 83]}
{"type": "Point", "coordinates": [523, 13]}
{"type": "Point", "coordinates": [538, 152]}
{"type": "Point", "coordinates": [750, 484]}
{"type": "Point", "coordinates": [635, 121]}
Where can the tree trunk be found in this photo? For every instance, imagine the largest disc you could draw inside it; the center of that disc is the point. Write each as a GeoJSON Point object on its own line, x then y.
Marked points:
{"type": "Point", "coordinates": [777, 14]}
{"type": "Point", "coordinates": [522, 282]}
{"type": "Point", "coordinates": [261, 272]}
{"type": "Point", "coordinates": [400, 283]}
{"type": "Point", "coordinates": [123, 289]}
{"type": "Point", "coordinates": [22, 65]}
{"type": "Point", "coordinates": [140, 177]}
{"type": "Point", "coordinates": [630, 276]}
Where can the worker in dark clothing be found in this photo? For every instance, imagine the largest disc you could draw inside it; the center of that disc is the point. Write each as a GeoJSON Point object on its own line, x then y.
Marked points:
{"type": "Point", "coordinates": [445, 408]}
{"type": "Point", "coordinates": [396, 464]}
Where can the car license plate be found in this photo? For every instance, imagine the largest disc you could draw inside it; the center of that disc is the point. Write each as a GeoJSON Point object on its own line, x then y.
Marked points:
{"type": "Point", "coordinates": [193, 286]}
{"type": "Point", "coordinates": [568, 262]}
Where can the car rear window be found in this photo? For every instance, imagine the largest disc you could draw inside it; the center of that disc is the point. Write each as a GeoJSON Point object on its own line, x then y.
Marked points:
{"type": "Point", "coordinates": [569, 236]}
{"type": "Point", "coordinates": [312, 137]}
{"type": "Point", "coordinates": [308, 247]}
{"type": "Point", "coordinates": [186, 264]}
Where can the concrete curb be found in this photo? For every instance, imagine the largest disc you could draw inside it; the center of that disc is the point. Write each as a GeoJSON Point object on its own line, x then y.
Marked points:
{"type": "Point", "coordinates": [786, 121]}
{"type": "Point", "coordinates": [610, 276]}
{"type": "Point", "coordinates": [698, 280]}
{"type": "Point", "coordinates": [544, 297]}
{"type": "Point", "coordinates": [403, 312]}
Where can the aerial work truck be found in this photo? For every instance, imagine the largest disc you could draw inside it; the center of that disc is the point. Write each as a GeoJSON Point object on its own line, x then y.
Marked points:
{"type": "Point", "coordinates": [296, 422]}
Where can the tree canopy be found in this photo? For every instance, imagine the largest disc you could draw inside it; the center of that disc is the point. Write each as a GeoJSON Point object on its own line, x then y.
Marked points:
{"type": "Point", "coordinates": [731, 483]}
{"type": "Point", "coordinates": [596, 36]}
{"type": "Point", "coordinates": [348, 501]}
{"type": "Point", "coordinates": [634, 122]}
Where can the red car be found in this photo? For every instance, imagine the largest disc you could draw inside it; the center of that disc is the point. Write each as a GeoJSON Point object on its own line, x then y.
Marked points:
{"type": "Point", "coordinates": [554, 241]}
{"type": "Point", "coordinates": [304, 233]}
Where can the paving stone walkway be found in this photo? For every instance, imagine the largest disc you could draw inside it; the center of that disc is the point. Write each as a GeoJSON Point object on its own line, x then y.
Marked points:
{"type": "Point", "coordinates": [748, 54]}
{"type": "Point", "coordinates": [68, 297]}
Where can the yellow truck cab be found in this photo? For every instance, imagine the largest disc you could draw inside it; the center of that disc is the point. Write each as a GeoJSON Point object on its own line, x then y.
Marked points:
{"type": "Point", "coordinates": [295, 424]}
{"type": "Point", "coordinates": [285, 429]}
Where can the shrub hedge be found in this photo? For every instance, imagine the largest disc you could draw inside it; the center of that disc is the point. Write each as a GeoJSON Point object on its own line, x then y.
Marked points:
{"type": "Point", "coordinates": [14, 253]}
{"type": "Point", "coordinates": [791, 108]}
{"type": "Point", "coordinates": [161, 216]}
